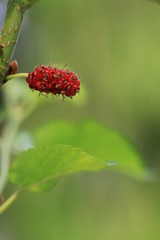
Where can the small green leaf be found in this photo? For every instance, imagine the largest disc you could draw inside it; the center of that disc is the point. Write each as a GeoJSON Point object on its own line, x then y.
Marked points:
{"type": "Point", "coordinates": [29, 3]}
{"type": "Point", "coordinates": [38, 169]}
{"type": "Point", "coordinates": [97, 140]}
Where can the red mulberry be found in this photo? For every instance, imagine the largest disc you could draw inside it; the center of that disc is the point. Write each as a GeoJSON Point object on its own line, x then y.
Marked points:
{"type": "Point", "coordinates": [53, 80]}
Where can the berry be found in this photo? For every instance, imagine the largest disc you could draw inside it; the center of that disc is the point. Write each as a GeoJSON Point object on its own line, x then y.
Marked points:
{"type": "Point", "coordinates": [53, 80]}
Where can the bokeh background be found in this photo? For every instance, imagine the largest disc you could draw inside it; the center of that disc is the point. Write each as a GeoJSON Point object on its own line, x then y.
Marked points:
{"type": "Point", "coordinates": [115, 48]}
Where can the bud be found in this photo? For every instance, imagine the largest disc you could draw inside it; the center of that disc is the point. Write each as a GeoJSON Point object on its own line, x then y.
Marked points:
{"type": "Point", "coordinates": [28, 3]}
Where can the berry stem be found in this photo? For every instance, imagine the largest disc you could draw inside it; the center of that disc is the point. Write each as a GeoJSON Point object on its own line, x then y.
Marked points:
{"type": "Point", "coordinates": [9, 133]}
{"type": "Point", "coordinates": [18, 75]}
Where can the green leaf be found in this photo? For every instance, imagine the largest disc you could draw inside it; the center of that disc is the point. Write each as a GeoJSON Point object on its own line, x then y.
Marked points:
{"type": "Point", "coordinates": [38, 169]}
{"type": "Point", "coordinates": [97, 140]}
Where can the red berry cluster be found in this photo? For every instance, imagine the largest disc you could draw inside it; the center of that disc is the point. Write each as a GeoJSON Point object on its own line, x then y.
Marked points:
{"type": "Point", "coordinates": [53, 80]}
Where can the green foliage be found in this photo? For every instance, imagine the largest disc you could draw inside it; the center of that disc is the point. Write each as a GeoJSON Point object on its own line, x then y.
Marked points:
{"type": "Point", "coordinates": [38, 169]}
{"type": "Point", "coordinates": [94, 147]}
{"type": "Point", "coordinates": [97, 140]}
{"type": "Point", "coordinates": [102, 142]}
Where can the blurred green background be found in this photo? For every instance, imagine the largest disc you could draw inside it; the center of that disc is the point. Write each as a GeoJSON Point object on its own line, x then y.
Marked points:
{"type": "Point", "coordinates": [115, 48]}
